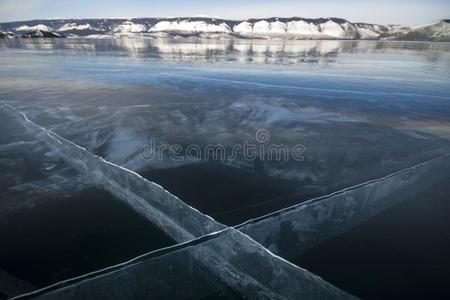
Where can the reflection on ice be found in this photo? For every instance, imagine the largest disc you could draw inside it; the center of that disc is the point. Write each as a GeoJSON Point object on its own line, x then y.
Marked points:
{"type": "Point", "coordinates": [267, 51]}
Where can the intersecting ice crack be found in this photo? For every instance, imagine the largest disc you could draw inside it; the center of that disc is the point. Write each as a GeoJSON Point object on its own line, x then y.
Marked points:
{"type": "Point", "coordinates": [231, 257]}
{"type": "Point", "coordinates": [288, 232]}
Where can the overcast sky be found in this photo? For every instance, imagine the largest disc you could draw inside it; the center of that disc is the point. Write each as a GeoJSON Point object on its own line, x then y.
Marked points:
{"type": "Point", "coordinates": [408, 12]}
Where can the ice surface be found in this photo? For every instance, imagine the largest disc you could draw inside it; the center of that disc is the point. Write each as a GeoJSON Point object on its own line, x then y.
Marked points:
{"type": "Point", "coordinates": [294, 107]}
{"type": "Point", "coordinates": [403, 251]}
{"type": "Point", "coordinates": [288, 232]}
{"type": "Point", "coordinates": [11, 286]}
{"type": "Point", "coordinates": [183, 223]}
{"type": "Point", "coordinates": [227, 261]}
{"type": "Point", "coordinates": [30, 171]}
{"type": "Point", "coordinates": [178, 220]}
{"type": "Point", "coordinates": [53, 223]}
{"type": "Point", "coordinates": [294, 230]}
{"type": "Point", "coordinates": [348, 145]}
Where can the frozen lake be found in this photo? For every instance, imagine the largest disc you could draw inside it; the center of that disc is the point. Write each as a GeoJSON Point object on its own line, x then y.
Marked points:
{"type": "Point", "coordinates": [360, 110]}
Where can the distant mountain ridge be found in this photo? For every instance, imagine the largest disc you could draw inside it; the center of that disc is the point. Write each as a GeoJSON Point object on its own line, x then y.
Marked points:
{"type": "Point", "coordinates": [292, 28]}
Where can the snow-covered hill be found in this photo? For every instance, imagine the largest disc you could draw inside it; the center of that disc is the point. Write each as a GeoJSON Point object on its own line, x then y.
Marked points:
{"type": "Point", "coordinates": [438, 31]}
{"type": "Point", "coordinates": [292, 28]}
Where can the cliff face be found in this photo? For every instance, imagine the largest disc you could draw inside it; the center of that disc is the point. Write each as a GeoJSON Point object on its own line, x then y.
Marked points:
{"type": "Point", "coordinates": [295, 28]}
